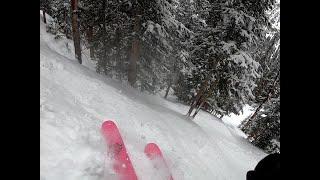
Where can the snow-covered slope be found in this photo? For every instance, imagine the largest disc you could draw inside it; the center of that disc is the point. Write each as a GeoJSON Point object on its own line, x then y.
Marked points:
{"type": "Point", "coordinates": [75, 100]}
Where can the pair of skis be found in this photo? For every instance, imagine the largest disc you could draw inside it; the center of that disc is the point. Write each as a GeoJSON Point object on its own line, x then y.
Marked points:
{"type": "Point", "coordinates": [121, 161]}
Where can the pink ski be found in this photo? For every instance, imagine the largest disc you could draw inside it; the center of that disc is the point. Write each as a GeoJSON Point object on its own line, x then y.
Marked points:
{"type": "Point", "coordinates": [122, 164]}
{"type": "Point", "coordinates": [154, 154]}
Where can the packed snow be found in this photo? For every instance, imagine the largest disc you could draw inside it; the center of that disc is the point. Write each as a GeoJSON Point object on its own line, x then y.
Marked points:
{"type": "Point", "coordinates": [75, 100]}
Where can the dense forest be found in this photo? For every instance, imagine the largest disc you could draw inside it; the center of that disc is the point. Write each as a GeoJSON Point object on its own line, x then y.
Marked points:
{"type": "Point", "coordinates": [214, 55]}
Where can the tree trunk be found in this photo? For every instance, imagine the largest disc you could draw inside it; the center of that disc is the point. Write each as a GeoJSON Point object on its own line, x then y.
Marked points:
{"type": "Point", "coordinates": [135, 53]}
{"type": "Point", "coordinates": [90, 41]}
{"type": "Point", "coordinates": [105, 45]}
{"type": "Point", "coordinates": [203, 99]}
{"type": "Point", "coordinates": [202, 89]}
{"type": "Point", "coordinates": [198, 109]}
{"type": "Point", "coordinates": [66, 31]}
{"type": "Point", "coordinates": [75, 30]}
{"type": "Point", "coordinates": [168, 88]}
{"type": "Point", "coordinates": [117, 44]}
{"type": "Point", "coordinates": [194, 103]}
{"type": "Point", "coordinates": [44, 16]}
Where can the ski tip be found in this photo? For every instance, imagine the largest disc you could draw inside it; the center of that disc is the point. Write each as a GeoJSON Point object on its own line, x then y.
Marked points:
{"type": "Point", "coordinates": [108, 123]}
{"type": "Point", "coordinates": [151, 148]}
{"type": "Point", "coordinates": [151, 145]}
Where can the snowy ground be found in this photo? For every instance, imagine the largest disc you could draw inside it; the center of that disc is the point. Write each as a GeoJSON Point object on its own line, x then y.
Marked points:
{"type": "Point", "coordinates": [75, 100]}
{"type": "Point", "coordinates": [235, 120]}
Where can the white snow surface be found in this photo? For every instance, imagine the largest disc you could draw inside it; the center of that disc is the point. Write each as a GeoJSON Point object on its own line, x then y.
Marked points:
{"type": "Point", "coordinates": [235, 120]}
{"type": "Point", "coordinates": [75, 100]}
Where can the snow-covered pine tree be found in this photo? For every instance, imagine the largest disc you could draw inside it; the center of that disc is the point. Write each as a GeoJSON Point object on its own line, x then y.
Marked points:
{"type": "Point", "coordinates": [112, 36]}
{"type": "Point", "coordinates": [263, 126]}
{"type": "Point", "coordinates": [191, 14]}
{"type": "Point", "coordinates": [264, 129]}
{"type": "Point", "coordinates": [162, 38]}
{"type": "Point", "coordinates": [140, 39]}
{"type": "Point", "coordinates": [65, 21]}
{"type": "Point", "coordinates": [45, 7]}
{"type": "Point", "coordinates": [89, 22]}
{"type": "Point", "coordinates": [268, 55]}
{"type": "Point", "coordinates": [60, 11]}
{"type": "Point", "coordinates": [270, 68]}
{"type": "Point", "coordinates": [222, 53]}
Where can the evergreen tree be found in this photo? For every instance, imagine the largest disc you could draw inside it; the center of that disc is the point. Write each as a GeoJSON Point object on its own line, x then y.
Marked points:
{"type": "Point", "coordinates": [264, 130]}
{"type": "Point", "coordinates": [224, 71]}
{"type": "Point", "coordinates": [60, 11]}
{"type": "Point", "coordinates": [263, 126]}
{"type": "Point", "coordinates": [45, 7]}
{"type": "Point", "coordinates": [142, 41]}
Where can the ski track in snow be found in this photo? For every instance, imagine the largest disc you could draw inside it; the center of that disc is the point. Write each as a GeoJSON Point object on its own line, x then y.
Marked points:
{"type": "Point", "coordinates": [75, 100]}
